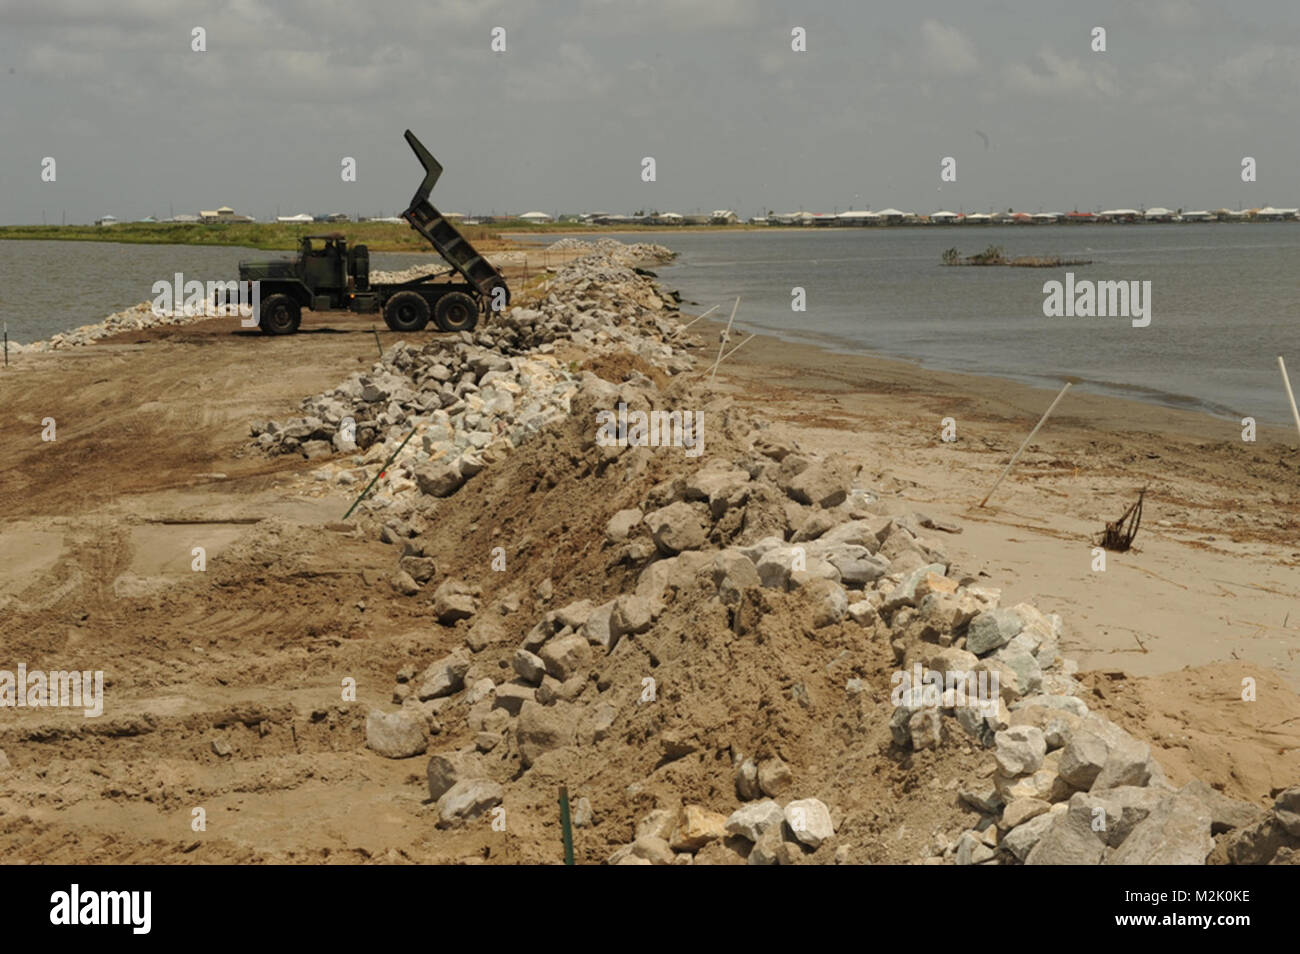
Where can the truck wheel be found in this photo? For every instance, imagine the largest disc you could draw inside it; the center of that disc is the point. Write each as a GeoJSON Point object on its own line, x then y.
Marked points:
{"type": "Point", "coordinates": [456, 311]}
{"type": "Point", "coordinates": [280, 315]}
{"type": "Point", "coordinates": [406, 311]}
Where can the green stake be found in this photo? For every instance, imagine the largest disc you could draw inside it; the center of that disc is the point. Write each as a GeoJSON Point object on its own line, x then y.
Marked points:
{"type": "Point", "coordinates": [382, 470]}
{"type": "Point", "coordinates": [377, 344]}
{"type": "Point", "coordinates": [566, 825]}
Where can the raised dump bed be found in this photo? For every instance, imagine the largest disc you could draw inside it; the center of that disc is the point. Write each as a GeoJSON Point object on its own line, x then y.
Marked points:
{"type": "Point", "coordinates": [334, 277]}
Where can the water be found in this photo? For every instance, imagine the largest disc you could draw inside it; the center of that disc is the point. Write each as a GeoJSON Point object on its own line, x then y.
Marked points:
{"type": "Point", "coordinates": [48, 287]}
{"type": "Point", "coordinates": [1224, 303]}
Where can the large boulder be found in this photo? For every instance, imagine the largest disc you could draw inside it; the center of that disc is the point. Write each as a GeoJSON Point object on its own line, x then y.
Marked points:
{"type": "Point", "coordinates": [440, 478]}
{"type": "Point", "coordinates": [467, 799]}
{"type": "Point", "coordinates": [454, 600]}
{"type": "Point", "coordinates": [444, 677]}
{"type": "Point", "coordinates": [991, 630]}
{"type": "Point", "coordinates": [543, 728]}
{"type": "Point", "coordinates": [820, 485]}
{"type": "Point", "coordinates": [675, 528]}
{"type": "Point", "coordinates": [1176, 832]}
{"type": "Point", "coordinates": [397, 735]}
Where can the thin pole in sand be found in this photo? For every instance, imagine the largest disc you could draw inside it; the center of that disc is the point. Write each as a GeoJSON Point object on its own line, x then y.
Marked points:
{"type": "Point", "coordinates": [566, 825]}
{"type": "Point", "coordinates": [739, 346]}
{"type": "Point", "coordinates": [1011, 463]}
{"type": "Point", "coordinates": [726, 336]}
{"type": "Point", "coordinates": [375, 332]}
{"type": "Point", "coordinates": [1290, 395]}
{"type": "Point", "coordinates": [697, 318]}
{"type": "Point", "coordinates": [7, 344]}
{"type": "Point", "coordinates": [382, 470]}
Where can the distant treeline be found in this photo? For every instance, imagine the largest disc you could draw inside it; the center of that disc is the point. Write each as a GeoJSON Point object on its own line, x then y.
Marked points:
{"type": "Point", "coordinates": [271, 236]}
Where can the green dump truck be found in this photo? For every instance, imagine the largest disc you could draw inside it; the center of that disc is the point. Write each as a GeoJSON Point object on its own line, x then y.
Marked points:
{"type": "Point", "coordinates": [331, 276]}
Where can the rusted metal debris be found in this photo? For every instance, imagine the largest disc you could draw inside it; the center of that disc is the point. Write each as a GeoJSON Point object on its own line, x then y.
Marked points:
{"type": "Point", "coordinates": [1119, 535]}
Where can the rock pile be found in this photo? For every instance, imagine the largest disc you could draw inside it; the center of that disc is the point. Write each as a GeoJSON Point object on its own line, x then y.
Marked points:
{"type": "Point", "coordinates": [757, 552]}
{"type": "Point", "coordinates": [631, 255]}
{"type": "Point", "coordinates": [135, 318]}
{"type": "Point", "coordinates": [474, 397]}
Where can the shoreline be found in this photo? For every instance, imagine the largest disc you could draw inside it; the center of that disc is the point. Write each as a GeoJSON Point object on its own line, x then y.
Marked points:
{"type": "Point", "coordinates": [1108, 409]}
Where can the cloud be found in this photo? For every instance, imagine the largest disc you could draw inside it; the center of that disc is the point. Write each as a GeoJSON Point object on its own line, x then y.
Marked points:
{"type": "Point", "coordinates": [1050, 74]}
{"type": "Point", "coordinates": [946, 50]}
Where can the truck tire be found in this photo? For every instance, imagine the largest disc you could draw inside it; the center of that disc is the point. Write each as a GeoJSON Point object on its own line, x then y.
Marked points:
{"type": "Point", "coordinates": [280, 315]}
{"type": "Point", "coordinates": [406, 311]}
{"type": "Point", "coordinates": [456, 311]}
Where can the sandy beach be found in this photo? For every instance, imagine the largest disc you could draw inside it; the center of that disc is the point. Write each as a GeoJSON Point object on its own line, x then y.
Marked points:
{"type": "Point", "coordinates": [225, 683]}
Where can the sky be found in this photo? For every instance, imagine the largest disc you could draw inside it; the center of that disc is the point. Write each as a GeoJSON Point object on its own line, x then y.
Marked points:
{"type": "Point", "coordinates": [139, 123]}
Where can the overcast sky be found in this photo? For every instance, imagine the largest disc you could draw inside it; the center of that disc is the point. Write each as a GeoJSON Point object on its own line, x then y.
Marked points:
{"type": "Point", "coordinates": [139, 124]}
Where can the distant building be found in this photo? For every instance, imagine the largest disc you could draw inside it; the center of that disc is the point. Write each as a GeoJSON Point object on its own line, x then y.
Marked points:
{"type": "Point", "coordinates": [1119, 215]}
{"type": "Point", "coordinates": [1200, 215]}
{"type": "Point", "coordinates": [943, 217]}
{"type": "Point", "coordinates": [1270, 214]}
{"type": "Point", "coordinates": [1047, 218]}
{"type": "Point", "coordinates": [696, 219]}
{"type": "Point", "coordinates": [302, 218]}
{"type": "Point", "coordinates": [723, 217]}
{"type": "Point", "coordinates": [537, 217]}
{"type": "Point", "coordinates": [106, 220]}
{"type": "Point", "coordinates": [1159, 214]}
{"type": "Point", "coordinates": [183, 217]}
{"type": "Point", "coordinates": [223, 214]}
{"type": "Point", "coordinates": [790, 218]}
{"type": "Point", "coordinates": [894, 216]}
{"type": "Point", "coordinates": [853, 217]}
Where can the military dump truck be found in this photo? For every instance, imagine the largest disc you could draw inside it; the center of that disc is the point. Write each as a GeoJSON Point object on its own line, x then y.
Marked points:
{"type": "Point", "coordinates": [332, 276]}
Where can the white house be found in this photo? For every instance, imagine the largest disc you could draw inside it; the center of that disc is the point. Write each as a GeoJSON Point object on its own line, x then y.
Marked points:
{"type": "Point", "coordinates": [1271, 214]}
{"type": "Point", "coordinates": [723, 217]}
{"type": "Point", "coordinates": [300, 218]}
{"type": "Point", "coordinates": [852, 217]}
{"type": "Point", "coordinates": [536, 217]}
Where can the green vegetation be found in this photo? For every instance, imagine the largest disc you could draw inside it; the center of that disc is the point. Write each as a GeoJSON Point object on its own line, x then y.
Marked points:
{"type": "Point", "coordinates": [273, 236]}
{"type": "Point", "coordinates": [995, 255]}
{"type": "Point", "coordinates": [992, 255]}
{"type": "Point", "coordinates": [270, 236]}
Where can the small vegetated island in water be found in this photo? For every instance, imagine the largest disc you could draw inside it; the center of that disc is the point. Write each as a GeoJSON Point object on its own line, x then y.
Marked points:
{"type": "Point", "coordinates": [994, 255]}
